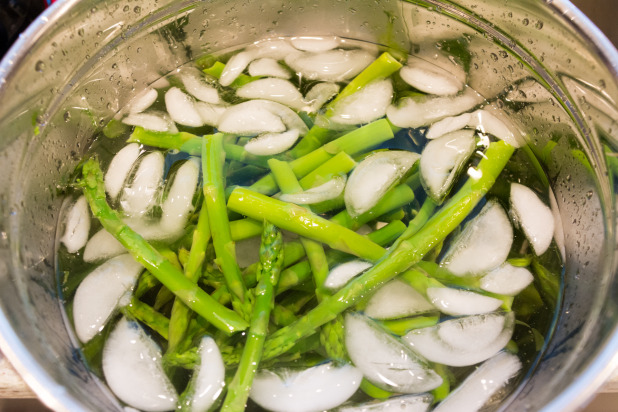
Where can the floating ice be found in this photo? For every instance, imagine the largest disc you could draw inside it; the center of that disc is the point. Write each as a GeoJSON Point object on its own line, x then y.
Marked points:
{"type": "Point", "coordinates": [140, 194]}
{"type": "Point", "coordinates": [277, 90]}
{"type": "Point", "coordinates": [463, 341]}
{"type": "Point", "coordinates": [443, 158]}
{"type": "Point", "coordinates": [208, 377]}
{"type": "Point", "coordinates": [153, 120]}
{"type": "Point", "coordinates": [344, 272]}
{"type": "Point", "coordinates": [507, 280]}
{"type": "Point", "coordinates": [178, 203]}
{"type": "Point", "coordinates": [119, 169]}
{"type": "Point", "coordinates": [198, 87]}
{"type": "Point", "coordinates": [315, 44]}
{"type": "Point", "coordinates": [535, 217]}
{"type": "Point", "coordinates": [315, 389]}
{"type": "Point", "coordinates": [143, 100]}
{"type": "Point", "coordinates": [98, 294]}
{"type": "Point", "coordinates": [268, 67]}
{"type": "Point", "coordinates": [333, 65]}
{"type": "Point", "coordinates": [482, 384]}
{"type": "Point", "coordinates": [319, 95]}
{"type": "Point", "coordinates": [386, 361]}
{"type": "Point", "coordinates": [424, 110]}
{"type": "Point", "coordinates": [268, 144]}
{"type": "Point", "coordinates": [403, 403]}
{"type": "Point", "coordinates": [133, 369]}
{"type": "Point", "coordinates": [210, 113]}
{"type": "Point", "coordinates": [397, 299]}
{"type": "Point", "coordinates": [484, 243]}
{"type": "Point", "coordinates": [364, 106]}
{"type": "Point", "coordinates": [102, 245]}
{"type": "Point", "coordinates": [374, 176]}
{"type": "Point", "coordinates": [326, 191]}
{"type": "Point", "coordinates": [181, 108]}
{"type": "Point", "coordinates": [77, 226]}
{"type": "Point", "coordinates": [430, 78]}
{"type": "Point", "coordinates": [461, 302]}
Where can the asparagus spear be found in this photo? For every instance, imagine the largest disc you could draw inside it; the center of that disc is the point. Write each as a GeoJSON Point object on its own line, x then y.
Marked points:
{"type": "Point", "coordinates": [382, 67]}
{"type": "Point", "coordinates": [199, 301]}
{"type": "Point", "coordinates": [214, 199]}
{"type": "Point", "coordinates": [138, 310]}
{"type": "Point", "coordinates": [271, 260]}
{"type": "Point", "coordinates": [287, 182]}
{"type": "Point", "coordinates": [409, 252]}
{"type": "Point", "coordinates": [353, 143]}
{"type": "Point", "coordinates": [181, 314]}
{"type": "Point", "coordinates": [299, 220]}
{"type": "Point", "coordinates": [192, 144]}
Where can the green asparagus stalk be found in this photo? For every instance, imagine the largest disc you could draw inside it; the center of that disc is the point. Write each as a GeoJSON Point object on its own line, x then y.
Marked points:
{"type": "Point", "coordinates": [287, 182]}
{"type": "Point", "coordinates": [292, 252]}
{"type": "Point", "coordinates": [339, 164]}
{"type": "Point", "coordinates": [214, 199]}
{"type": "Point", "coordinates": [299, 220]}
{"type": "Point", "coordinates": [300, 272]}
{"type": "Point", "coordinates": [199, 301]}
{"type": "Point", "coordinates": [382, 67]}
{"type": "Point", "coordinates": [373, 391]}
{"type": "Point", "coordinates": [331, 335]}
{"type": "Point", "coordinates": [286, 311]}
{"type": "Point", "coordinates": [146, 282]}
{"type": "Point", "coordinates": [271, 260]}
{"type": "Point", "coordinates": [313, 139]}
{"type": "Point", "coordinates": [244, 229]}
{"type": "Point", "coordinates": [181, 314]}
{"type": "Point", "coordinates": [138, 310]}
{"type": "Point", "coordinates": [402, 326]}
{"type": "Point", "coordinates": [353, 143]}
{"type": "Point", "coordinates": [403, 257]}
{"type": "Point", "coordinates": [419, 220]}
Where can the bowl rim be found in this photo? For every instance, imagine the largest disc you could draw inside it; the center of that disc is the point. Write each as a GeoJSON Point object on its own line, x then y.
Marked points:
{"type": "Point", "coordinates": [56, 397]}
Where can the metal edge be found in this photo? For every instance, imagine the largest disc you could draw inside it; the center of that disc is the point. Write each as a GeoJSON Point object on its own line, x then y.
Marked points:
{"type": "Point", "coordinates": [51, 393]}
{"type": "Point", "coordinates": [584, 388]}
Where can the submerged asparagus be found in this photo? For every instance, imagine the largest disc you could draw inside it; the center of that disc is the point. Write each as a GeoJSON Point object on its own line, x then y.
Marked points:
{"type": "Point", "coordinates": [404, 256]}
{"type": "Point", "coordinates": [284, 292]}
{"type": "Point", "coordinates": [271, 259]}
{"type": "Point", "coordinates": [221, 317]}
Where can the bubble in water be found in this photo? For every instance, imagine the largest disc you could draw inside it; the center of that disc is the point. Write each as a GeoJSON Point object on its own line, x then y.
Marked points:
{"type": "Point", "coordinates": [39, 66]}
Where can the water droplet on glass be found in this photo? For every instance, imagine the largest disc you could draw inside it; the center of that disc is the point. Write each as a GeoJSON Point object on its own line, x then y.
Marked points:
{"type": "Point", "coordinates": [539, 25]}
{"type": "Point", "coordinates": [39, 66]}
{"type": "Point", "coordinates": [80, 32]}
{"type": "Point", "coordinates": [114, 66]}
{"type": "Point", "coordinates": [125, 9]}
{"type": "Point", "coordinates": [589, 194]}
{"type": "Point", "coordinates": [525, 22]}
{"type": "Point", "coordinates": [67, 116]}
{"type": "Point", "coordinates": [137, 10]}
{"type": "Point", "coordinates": [494, 57]}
